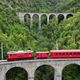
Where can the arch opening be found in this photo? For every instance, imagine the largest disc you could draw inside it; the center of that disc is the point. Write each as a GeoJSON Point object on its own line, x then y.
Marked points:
{"type": "Point", "coordinates": [17, 73]}
{"type": "Point", "coordinates": [27, 20]}
{"type": "Point", "coordinates": [52, 18]}
{"type": "Point", "coordinates": [71, 72]}
{"type": "Point", "coordinates": [44, 72]}
{"type": "Point", "coordinates": [60, 18]}
{"type": "Point", "coordinates": [44, 19]}
{"type": "Point", "coordinates": [69, 15]}
{"type": "Point", "coordinates": [35, 21]}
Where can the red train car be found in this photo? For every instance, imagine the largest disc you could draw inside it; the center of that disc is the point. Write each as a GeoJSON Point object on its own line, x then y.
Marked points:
{"type": "Point", "coordinates": [17, 55]}
{"type": "Point", "coordinates": [64, 54]}
{"type": "Point", "coordinates": [42, 54]}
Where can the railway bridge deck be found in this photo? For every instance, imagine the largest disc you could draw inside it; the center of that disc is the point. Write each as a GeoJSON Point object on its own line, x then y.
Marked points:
{"type": "Point", "coordinates": [31, 65]}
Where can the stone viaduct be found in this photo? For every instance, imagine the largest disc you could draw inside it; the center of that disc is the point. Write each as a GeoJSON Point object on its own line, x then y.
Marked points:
{"type": "Point", "coordinates": [30, 66]}
{"type": "Point", "coordinates": [58, 16]}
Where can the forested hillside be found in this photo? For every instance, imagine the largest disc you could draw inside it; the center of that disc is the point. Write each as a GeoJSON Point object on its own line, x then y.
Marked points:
{"type": "Point", "coordinates": [43, 5]}
{"type": "Point", "coordinates": [17, 36]}
{"type": "Point", "coordinates": [66, 34]}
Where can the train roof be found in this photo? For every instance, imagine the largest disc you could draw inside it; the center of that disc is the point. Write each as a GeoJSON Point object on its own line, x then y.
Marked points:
{"type": "Point", "coordinates": [64, 50]}
{"type": "Point", "coordinates": [20, 51]}
{"type": "Point", "coordinates": [42, 52]}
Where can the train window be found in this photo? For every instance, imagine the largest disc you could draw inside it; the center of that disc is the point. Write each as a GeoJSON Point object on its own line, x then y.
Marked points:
{"type": "Point", "coordinates": [70, 53]}
{"type": "Point", "coordinates": [10, 54]}
{"type": "Point", "coordinates": [66, 53]}
{"type": "Point", "coordinates": [63, 53]}
{"type": "Point", "coordinates": [78, 53]}
{"type": "Point", "coordinates": [56, 53]}
{"type": "Point", "coordinates": [59, 53]}
{"type": "Point", "coordinates": [74, 53]}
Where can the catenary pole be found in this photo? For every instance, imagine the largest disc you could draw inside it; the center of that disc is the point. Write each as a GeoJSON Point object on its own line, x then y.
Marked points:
{"type": "Point", "coordinates": [2, 51]}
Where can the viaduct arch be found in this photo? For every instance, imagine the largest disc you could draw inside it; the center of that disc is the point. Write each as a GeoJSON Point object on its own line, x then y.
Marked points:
{"type": "Point", "coordinates": [59, 17]}
{"type": "Point", "coordinates": [15, 71]}
{"type": "Point", "coordinates": [31, 65]}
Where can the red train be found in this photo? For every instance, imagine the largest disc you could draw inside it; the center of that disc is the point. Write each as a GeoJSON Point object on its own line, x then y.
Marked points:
{"type": "Point", "coordinates": [52, 54]}
{"type": "Point", "coordinates": [16, 55]}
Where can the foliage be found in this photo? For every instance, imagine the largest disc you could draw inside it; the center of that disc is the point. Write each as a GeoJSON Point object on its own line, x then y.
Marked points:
{"type": "Point", "coordinates": [44, 72]}
{"type": "Point", "coordinates": [70, 36]}
{"type": "Point", "coordinates": [63, 35]}
{"type": "Point", "coordinates": [72, 72]}
{"type": "Point", "coordinates": [19, 73]}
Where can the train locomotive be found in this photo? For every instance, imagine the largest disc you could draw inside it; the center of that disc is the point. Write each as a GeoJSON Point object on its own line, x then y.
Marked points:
{"type": "Point", "coordinates": [17, 55]}
{"type": "Point", "coordinates": [52, 54]}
